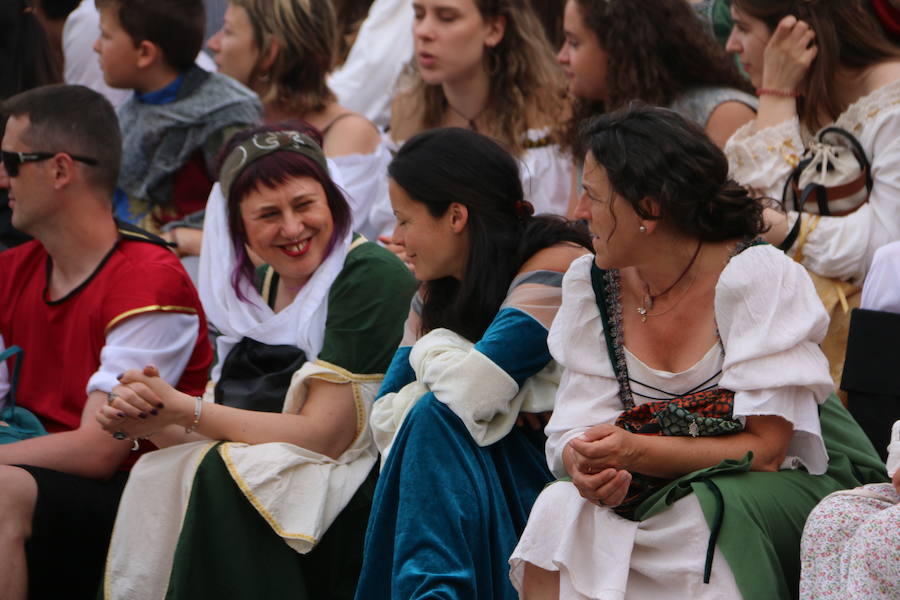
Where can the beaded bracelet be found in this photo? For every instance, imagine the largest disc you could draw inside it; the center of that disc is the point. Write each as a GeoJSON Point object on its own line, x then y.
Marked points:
{"type": "Point", "coordinates": [779, 93]}
{"type": "Point", "coordinates": [198, 408]}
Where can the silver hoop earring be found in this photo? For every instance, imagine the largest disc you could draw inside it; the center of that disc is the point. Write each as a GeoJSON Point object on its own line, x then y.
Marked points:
{"type": "Point", "coordinates": [642, 229]}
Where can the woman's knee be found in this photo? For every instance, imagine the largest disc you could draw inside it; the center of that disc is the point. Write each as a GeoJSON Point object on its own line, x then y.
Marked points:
{"type": "Point", "coordinates": [18, 496]}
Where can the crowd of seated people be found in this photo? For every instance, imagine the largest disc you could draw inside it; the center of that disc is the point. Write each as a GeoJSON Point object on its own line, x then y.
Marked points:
{"type": "Point", "coordinates": [407, 299]}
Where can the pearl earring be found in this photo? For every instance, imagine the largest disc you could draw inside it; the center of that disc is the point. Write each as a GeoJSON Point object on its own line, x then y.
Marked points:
{"type": "Point", "coordinates": [642, 229]}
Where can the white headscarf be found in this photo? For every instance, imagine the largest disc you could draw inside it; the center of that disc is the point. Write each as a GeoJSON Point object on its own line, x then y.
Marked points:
{"type": "Point", "coordinates": [300, 324]}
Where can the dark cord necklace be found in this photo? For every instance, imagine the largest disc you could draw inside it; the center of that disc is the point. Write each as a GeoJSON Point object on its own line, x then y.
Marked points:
{"type": "Point", "coordinates": [648, 300]}
{"type": "Point", "coordinates": [471, 122]}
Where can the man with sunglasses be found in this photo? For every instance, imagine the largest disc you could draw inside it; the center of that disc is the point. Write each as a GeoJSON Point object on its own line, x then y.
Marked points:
{"type": "Point", "coordinates": [87, 299]}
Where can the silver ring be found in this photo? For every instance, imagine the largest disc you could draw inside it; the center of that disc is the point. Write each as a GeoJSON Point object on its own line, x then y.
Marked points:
{"type": "Point", "coordinates": [110, 396]}
{"type": "Point", "coordinates": [120, 435]}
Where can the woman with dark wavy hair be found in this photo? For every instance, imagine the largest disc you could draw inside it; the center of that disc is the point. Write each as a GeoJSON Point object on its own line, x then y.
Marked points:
{"type": "Point", "coordinates": [693, 385]}
{"type": "Point", "coordinates": [661, 54]}
{"type": "Point", "coordinates": [458, 475]}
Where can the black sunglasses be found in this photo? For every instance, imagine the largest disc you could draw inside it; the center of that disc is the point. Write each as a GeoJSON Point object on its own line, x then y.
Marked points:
{"type": "Point", "coordinates": [13, 160]}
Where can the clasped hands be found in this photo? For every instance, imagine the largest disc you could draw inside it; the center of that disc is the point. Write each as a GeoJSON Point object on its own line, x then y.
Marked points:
{"type": "Point", "coordinates": [598, 462]}
{"type": "Point", "coordinates": [141, 405]}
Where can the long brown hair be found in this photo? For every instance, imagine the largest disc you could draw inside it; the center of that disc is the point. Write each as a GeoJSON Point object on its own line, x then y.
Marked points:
{"type": "Point", "coordinates": [656, 53]}
{"type": "Point", "coordinates": [526, 83]}
{"type": "Point", "coordinates": [847, 35]}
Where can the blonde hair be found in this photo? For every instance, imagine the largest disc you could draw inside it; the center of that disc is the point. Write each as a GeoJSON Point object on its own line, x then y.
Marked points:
{"type": "Point", "coordinates": [306, 34]}
{"type": "Point", "coordinates": [527, 87]}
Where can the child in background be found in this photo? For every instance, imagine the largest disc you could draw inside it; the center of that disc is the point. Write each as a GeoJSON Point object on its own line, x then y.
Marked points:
{"type": "Point", "coordinates": [179, 115]}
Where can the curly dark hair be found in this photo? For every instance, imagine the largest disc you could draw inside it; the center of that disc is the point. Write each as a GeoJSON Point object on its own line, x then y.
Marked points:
{"type": "Point", "coordinates": [652, 152]}
{"type": "Point", "coordinates": [656, 53]}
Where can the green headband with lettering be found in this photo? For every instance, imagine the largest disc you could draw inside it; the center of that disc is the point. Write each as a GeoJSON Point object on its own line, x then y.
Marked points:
{"type": "Point", "coordinates": [263, 144]}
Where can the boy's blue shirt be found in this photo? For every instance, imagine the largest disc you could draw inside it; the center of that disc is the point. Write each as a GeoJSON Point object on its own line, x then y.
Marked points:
{"type": "Point", "coordinates": [164, 95]}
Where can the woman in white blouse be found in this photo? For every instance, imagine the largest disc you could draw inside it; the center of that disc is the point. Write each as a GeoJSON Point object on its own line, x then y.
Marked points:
{"type": "Point", "coordinates": [816, 64]}
{"type": "Point", "coordinates": [690, 354]}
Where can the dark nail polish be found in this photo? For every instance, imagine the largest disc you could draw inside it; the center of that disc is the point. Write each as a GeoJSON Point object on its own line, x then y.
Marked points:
{"type": "Point", "coordinates": [120, 376]}
{"type": "Point", "coordinates": [120, 414]}
{"type": "Point", "coordinates": [160, 405]}
{"type": "Point", "coordinates": [153, 411]}
{"type": "Point", "coordinates": [143, 415]}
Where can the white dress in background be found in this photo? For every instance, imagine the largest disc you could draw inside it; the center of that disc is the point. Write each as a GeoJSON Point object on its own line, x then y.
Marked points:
{"type": "Point", "coordinates": [363, 178]}
{"type": "Point", "coordinates": [366, 82]}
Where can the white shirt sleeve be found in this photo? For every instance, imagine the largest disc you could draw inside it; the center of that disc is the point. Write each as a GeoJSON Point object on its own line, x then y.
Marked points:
{"type": "Point", "coordinates": [882, 288]}
{"type": "Point", "coordinates": [763, 160]}
{"type": "Point", "coordinates": [365, 82]}
{"type": "Point", "coordinates": [771, 323]}
{"type": "Point", "coordinates": [163, 339]}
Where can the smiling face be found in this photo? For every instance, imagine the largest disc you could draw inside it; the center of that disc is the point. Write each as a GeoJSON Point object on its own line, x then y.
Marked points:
{"type": "Point", "coordinates": [748, 40]}
{"type": "Point", "coordinates": [436, 247]}
{"type": "Point", "coordinates": [581, 56]}
{"type": "Point", "coordinates": [451, 38]}
{"type": "Point", "coordinates": [613, 223]}
{"type": "Point", "coordinates": [118, 55]}
{"type": "Point", "coordinates": [234, 48]}
{"type": "Point", "coordinates": [289, 227]}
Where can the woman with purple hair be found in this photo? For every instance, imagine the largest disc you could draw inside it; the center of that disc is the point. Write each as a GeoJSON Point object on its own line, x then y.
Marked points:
{"type": "Point", "coordinates": [265, 491]}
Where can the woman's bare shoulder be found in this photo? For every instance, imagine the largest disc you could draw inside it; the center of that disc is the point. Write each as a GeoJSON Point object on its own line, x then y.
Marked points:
{"type": "Point", "coordinates": [883, 74]}
{"type": "Point", "coordinates": [554, 258]}
{"type": "Point", "coordinates": [351, 133]}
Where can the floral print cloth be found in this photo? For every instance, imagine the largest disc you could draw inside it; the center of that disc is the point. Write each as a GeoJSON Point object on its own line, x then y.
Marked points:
{"type": "Point", "coordinates": [851, 545]}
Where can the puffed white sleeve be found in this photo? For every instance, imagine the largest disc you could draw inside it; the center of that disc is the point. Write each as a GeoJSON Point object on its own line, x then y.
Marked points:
{"type": "Point", "coordinates": [588, 391]}
{"type": "Point", "coordinates": [771, 323]}
{"type": "Point", "coordinates": [762, 160]}
{"type": "Point", "coordinates": [163, 339]}
{"type": "Point", "coordinates": [843, 247]}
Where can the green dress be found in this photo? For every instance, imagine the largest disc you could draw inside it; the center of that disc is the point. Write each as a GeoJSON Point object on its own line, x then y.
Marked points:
{"type": "Point", "coordinates": [246, 530]}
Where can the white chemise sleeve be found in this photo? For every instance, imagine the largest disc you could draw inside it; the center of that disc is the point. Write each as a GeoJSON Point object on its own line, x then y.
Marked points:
{"type": "Point", "coordinates": [163, 339]}
{"type": "Point", "coordinates": [762, 160]}
{"type": "Point", "coordinates": [771, 323]}
{"type": "Point", "coordinates": [588, 392]}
